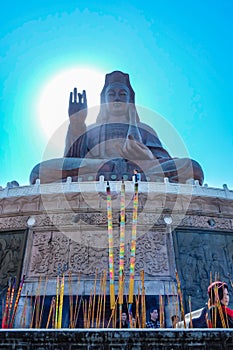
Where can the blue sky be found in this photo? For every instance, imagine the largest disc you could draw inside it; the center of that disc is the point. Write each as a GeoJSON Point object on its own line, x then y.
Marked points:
{"type": "Point", "coordinates": [178, 54]}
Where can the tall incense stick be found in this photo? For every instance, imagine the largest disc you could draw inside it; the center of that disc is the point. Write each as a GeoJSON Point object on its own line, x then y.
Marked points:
{"type": "Point", "coordinates": [6, 310]}
{"type": "Point", "coordinates": [100, 303]}
{"type": "Point", "coordinates": [94, 298]}
{"type": "Point", "coordinates": [17, 301]}
{"type": "Point", "coordinates": [50, 312]}
{"type": "Point", "coordinates": [122, 243]}
{"type": "Point", "coordinates": [59, 324]}
{"type": "Point", "coordinates": [104, 297]}
{"type": "Point", "coordinates": [181, 299]}
{"type": "Point", "coordinates": [36, 305]}
{"type": "Point", "coordinates": [121, 251]}
{"type": "Point", "coordinates": [43, 300]}
{"type": "Point", "coordinates": [161, 309]}
{"type": "Point", "coordinates": [110, 249]}
{"type": "Point", "coordinates": [190, 313]}
{"type": "Point", "coordinates": [57, 300]}
{"type": "Point", "coordinates": [24, 312]}
{"type": "Point", "coordinates": [76, 303]}
{"type": "Point", "coordinates": [11, 301]}
{"type": "Point", "coordinates": [143, 298]}
{"type": "Point", "coordinates": [133, 243]}
{"type": "Point", "coordinates": [70, 299]}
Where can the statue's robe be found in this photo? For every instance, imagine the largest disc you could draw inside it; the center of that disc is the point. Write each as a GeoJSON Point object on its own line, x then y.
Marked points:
{"type": "Point", "coordinates": [98, 151]}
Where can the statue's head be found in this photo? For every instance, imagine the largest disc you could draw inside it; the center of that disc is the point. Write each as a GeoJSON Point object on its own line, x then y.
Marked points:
{"type": "Point", "coordinates": [117, 88]}
{"type": "Point", "coordinates": [117, 77]}
{"type": "Point", "coordinates": [117, 97]}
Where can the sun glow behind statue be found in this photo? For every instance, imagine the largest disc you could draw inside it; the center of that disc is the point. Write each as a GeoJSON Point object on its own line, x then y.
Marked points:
{"type": "Point", "coordinates": [54, 99]}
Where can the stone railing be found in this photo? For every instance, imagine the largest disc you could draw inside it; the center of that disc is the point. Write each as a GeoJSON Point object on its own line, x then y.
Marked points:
{"type": "Point", "coordinates": [100, 186]}
{"type": "Point", "coordinates": [113, 339]}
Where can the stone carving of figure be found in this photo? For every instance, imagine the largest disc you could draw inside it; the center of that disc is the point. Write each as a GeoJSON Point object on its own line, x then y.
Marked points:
{"type": "Point", "coordinates": [9, 259]}
{"type": "Point", "coordinates": [116, 144]}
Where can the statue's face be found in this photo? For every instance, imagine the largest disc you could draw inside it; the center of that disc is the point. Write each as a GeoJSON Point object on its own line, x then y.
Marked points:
{"type": "Point", "coordinates": [117, 97]}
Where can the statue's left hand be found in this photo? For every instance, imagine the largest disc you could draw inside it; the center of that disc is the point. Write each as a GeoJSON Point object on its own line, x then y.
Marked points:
{"type": "Point", "coordinates": [133, 149]}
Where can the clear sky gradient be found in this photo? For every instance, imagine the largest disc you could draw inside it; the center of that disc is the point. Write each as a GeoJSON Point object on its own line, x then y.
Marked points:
{"type": "Point", "coordinates": [178, 55]}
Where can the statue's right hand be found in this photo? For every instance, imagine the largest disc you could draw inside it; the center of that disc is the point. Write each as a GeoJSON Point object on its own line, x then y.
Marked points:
{"type": "Point", "coordinates": [77, 104]}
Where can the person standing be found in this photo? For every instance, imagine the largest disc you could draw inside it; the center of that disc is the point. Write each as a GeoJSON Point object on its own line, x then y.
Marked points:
{"type": "Point", "coordinates": [220, 315]}
{"type": "Point", "coordinates": [124, 321]}
{"type": "Point", "coordinates": [175, 319]}
{"type": "Point", "coordinates": [153, 321]}
{"type": "Point", "coordinates": [137, 175]}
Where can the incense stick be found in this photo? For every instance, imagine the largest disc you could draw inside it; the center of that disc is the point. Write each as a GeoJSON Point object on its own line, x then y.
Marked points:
{"type": "Point", "coordinates": [110, 249]}
{"type": "Point", "coordinates": [133, 243]}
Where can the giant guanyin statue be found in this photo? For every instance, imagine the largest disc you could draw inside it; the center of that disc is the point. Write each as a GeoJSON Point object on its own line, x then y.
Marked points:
{"type": "Point", "coordinates": [115, 145]}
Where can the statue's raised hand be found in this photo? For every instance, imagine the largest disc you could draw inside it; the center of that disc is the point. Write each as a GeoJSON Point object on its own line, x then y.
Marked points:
{"type": "Point", "coordinates": [78, 104]}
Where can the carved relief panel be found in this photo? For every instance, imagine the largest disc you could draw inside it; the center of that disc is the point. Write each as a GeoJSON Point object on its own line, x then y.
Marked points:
{"type": "Point", "coordinates": [200, 254]}
{"type": "Point", "coordinates": [82, 252]}
{"type": "Point", "coordinates": [12, 245]}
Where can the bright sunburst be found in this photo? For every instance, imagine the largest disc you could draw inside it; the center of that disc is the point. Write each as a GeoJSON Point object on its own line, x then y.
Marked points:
{"type": "Point", "coordinates": [54, 98]}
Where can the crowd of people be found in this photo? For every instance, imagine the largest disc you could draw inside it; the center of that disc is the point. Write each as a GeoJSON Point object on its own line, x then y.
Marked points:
{"type": "Point", "coordinates": [215, 314]}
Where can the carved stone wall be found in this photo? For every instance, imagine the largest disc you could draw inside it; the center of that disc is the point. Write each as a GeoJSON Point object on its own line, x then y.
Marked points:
{"type": "Point", "coordinates": [70, 232]}
{"type": "Point", "coordinates": [12, 245]}
{"type": "Point", "coordinates": [82, 252]}
{"type": "Point", "coordinates": [200, 254]}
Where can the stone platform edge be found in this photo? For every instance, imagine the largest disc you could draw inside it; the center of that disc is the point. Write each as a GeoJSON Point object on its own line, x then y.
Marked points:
{"type": "Point", "coordinates": [115, 339]}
